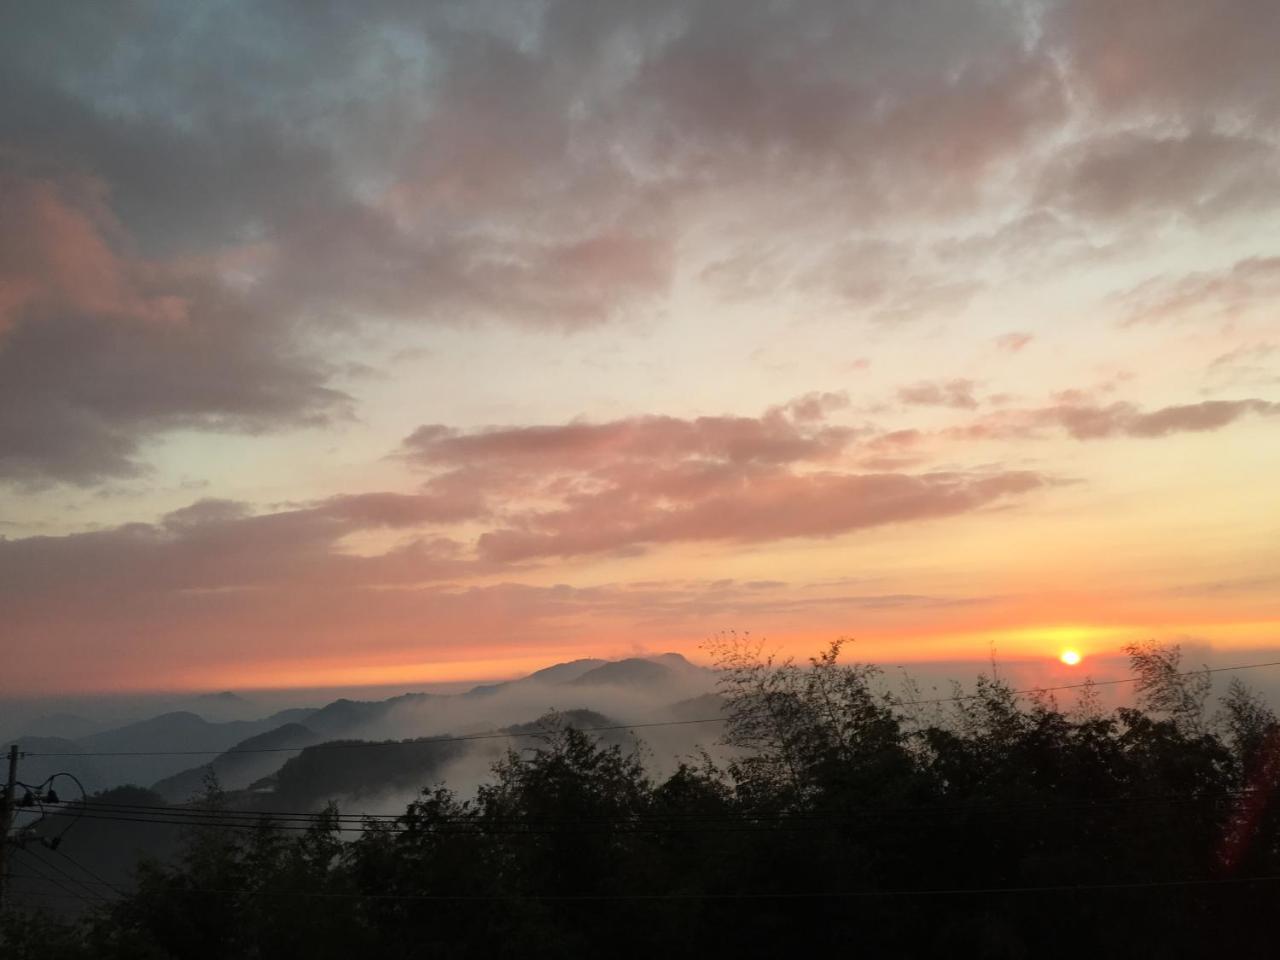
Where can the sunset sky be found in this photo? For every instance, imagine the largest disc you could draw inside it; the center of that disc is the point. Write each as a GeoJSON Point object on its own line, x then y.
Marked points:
{"type": "Point", "coordinates": [400, 342]}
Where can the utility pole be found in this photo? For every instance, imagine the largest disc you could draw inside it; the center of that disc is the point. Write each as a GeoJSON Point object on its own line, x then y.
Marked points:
{"type": "Point", "coordinates": [6, 820]}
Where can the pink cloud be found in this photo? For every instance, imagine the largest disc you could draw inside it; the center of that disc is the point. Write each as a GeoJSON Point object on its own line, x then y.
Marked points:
{"type": "Point", "coordinates": [1199, 175]}
{"type": "Point", "coordinates": [219, 545]}
{"type": "Point", "coordinates": [443, 503]}
{"type": "Point", "coordinates": [100, 347]}
{"type": "Point", "coordinates": [1193, 56]}
{"type": "Point", "coordinates": [1247, 285]}
{"type": "Point", "coordinates": [1083, 420]}
{"type": "Point", "coordinates": [1196, 417]}
{"type": "Point", "coordinates": [58, 253]}
{"type": "Point", "coordinates": [749, 507]}
{"type": "Point", "coordinates": [628, 484]}
{"type": "Point", "coordinates": [950, 393]}
{"type": "Point", "coordinates": [1013, 342]}
{"type": "Point", "coordinates": [782, 435]}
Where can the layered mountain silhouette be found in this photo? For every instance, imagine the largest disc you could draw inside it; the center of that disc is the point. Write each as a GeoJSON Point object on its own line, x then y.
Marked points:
{"type": "Point", "coordinates": [149, 750]}
{"type": "Point", "coordinates": [302, 756]}
{"type": "Point", "coordinates": [238, 768]}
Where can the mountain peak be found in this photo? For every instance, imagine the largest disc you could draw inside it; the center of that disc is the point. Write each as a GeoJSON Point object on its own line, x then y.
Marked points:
{"type": "Point", "coordinates": [634, 671]}
{"type": "Point", "coordinates": [672, 660]}
{"type": "Point", "coordinates": [225, 697]}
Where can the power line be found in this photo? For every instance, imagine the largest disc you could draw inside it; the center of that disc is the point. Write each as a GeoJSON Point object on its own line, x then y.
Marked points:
{"type": "Point", "coordinates": [36, 865]}
{"type": "Point", "coordinates": [946, 804]}
{"type": "Point", "coordinates": [1105, 886]}
{"type": "Point", "coordinates": [260, 814]}
{"type": "Point", "coordinates": [352, 744]}
{"type": "Point", "coordinates": [49, 894]}
{"type": "Point", "coordinates": [427, 741]}
{"type": "Point", "coordinates": [67, 893]}
{"type": "Point", "coordinates": [637, 825]}
{"type": "Point", "coordinates": [34, 855]}
{"type": "Point", "coordinates": [96, 877]}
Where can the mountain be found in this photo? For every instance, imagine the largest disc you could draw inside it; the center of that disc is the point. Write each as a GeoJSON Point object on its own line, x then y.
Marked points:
{"type": "Point", "coordinates": [220, 706]}
{"type": "Point", "coordinates": [175, 750]}
{"type": "Point", "coordinates": [634, 671]}
{"type": "Point", "coordinates": [236, 770]}
{"type": "Point", "coordinates": [676, 661]}
{"type": "Point", "coordinates": [367, 755]}
{"type": "Point", "coordinates": [533, 733]}
{"type": "Point", "coordinates": [631, 672]}
{"type": "Point", "coordinates": [556, 674]}
{"type": "Point", "coordinates": [364, 772]}
{"type": "Point", "coordinates": [566, 672]}
{"type": "Point", "coordinates": [225, 698]}
{"type": "Point", "coordinates": [165, 745]}
{"type": "Point", "coordinates": [69, 726]}
{"type": "Point", "coordinates": [182, 729]}
{"type": "Point", "coordinates": [667, 674]}
{"type": "Point", "coordinates": [364, 717]}
{"type": "Point", "coordinates": [346, 770]}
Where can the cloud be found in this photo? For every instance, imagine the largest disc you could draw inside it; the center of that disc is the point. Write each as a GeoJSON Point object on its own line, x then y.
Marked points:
{"type": "Point", "coordinates": [101, 348]}
{"type": "Point", "coordinates": [56, 256]}
{"type": "Point", "coordinates": [1243, 354]}
{"type": "Point", "coordinates": [943, 93]}
{"type": "Point", "coordinates": [1196, 58]}
{"type": "Point", "coordinates": [80, 393]}
{"type": "Point", "coordinates": [1193, 417]}
{"type": "Point", "coordinates": [219, 545]}
{"type": "Point", "coordinates": [1247, 285]}
{"type": "Point", "coordinates": [1238, 585]}
{"type": "Point", "coordinates": [626, 485]}
{"type": "Point", "coordinates": [1199, 175]}
{"type": "Point", "coordinates": [749, 507]}
{"type": "Point", "coordinates": [355, 260]}
{"type": "Point", "coordinates": [1088, 421]}
{"type": "Point", "coordinates": [1013, 342]}
{"type": "Point", "coordinates": [881, 281]}
{"type": "Point", "coordinates": [442, 504]}
{"type": "Point", "coordinates": [789, 434]}
{"type": "Point", "coordinates": [172, 247]}
{"type": "Point", "coordinates": [1247, 365]}
{"type": "Point", "coordinates": [951, 393]}
{"type": "Point", "coordinates": [193, 203]}
{"type": "Point", "coordinates": [495, 497]}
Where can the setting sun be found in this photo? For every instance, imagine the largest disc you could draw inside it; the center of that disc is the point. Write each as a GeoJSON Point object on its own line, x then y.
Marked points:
{"type": "Point", "coordinates": [1070, 657]}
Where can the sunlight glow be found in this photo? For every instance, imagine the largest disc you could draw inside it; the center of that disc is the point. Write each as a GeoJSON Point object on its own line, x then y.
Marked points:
{"type": "Point", "coordinates": [1070, 657]}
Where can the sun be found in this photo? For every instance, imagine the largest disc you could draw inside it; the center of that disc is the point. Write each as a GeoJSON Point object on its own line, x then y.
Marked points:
{"type": "Point", "coordinates": [1070, 657]}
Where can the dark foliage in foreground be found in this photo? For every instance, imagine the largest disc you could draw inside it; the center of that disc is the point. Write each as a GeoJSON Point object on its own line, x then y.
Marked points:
{"type": "Point", "coordinates": [852, 821]}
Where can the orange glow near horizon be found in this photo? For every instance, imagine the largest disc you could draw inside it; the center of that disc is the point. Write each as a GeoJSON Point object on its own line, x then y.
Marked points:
{"type": "Point", "coordinates": [400, 668]}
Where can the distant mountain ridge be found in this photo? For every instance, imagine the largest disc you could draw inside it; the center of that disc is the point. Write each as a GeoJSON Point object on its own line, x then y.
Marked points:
{"type": "Point", "coordinates": [557, 673]}
{"type": "Point", "coordinates": [237, 768]}
{"type": "Point", "coordinates": [160, 751]}
{"type": "Point", "coordinates": [342, 716]}
{"type": "Point", "coordinates": [634, 671]}
{"type": "Point", "coordinates": [631, 671]}
{"type": "Point", "coordinates": [67, 725]}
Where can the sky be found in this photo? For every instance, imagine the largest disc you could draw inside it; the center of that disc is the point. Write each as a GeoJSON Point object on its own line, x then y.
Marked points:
{"type": "Point", "coordinates": [405, 342]}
